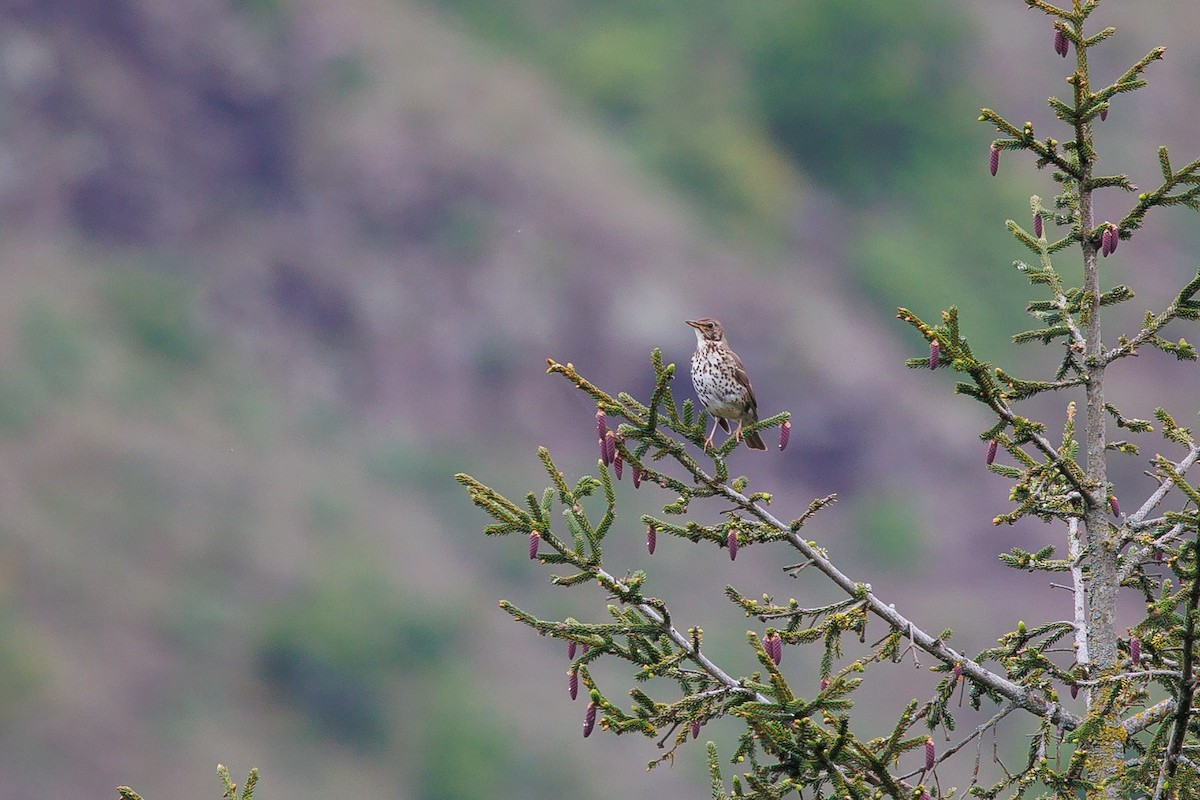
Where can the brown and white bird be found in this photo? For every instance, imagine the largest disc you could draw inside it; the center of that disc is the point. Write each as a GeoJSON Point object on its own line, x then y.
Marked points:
{"type": "Point", "coordinates": [722, 384]}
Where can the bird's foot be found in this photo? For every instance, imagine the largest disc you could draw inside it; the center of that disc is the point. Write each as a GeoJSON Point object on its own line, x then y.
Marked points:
{"type": "Point", "coordinates": [708, 443]}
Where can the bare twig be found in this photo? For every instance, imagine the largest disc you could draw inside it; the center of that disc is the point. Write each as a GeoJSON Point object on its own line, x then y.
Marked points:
{"type": "Point", "coordinates": [1137, 519]}
{"type": "Point", "coordinates": [1164, 486]}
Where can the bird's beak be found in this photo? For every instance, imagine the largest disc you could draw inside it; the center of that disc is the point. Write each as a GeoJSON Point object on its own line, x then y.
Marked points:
{"type": "Point", "coordinates": [693, 323]}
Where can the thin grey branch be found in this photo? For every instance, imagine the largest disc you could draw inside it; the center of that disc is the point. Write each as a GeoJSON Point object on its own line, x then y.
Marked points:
{"type": "Point", "coordinates": [1165, 486]}
{"type": "Point", "coordinates": [934, 646]}
{"type": "Point", "coordinates": [684, 642]}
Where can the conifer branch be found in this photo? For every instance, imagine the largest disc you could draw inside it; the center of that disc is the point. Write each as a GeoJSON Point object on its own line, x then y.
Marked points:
{"type": "Point", "coordinates": [1149, 717]}
{"type": "Point", "coordinates": [935, 646]}
{"type": "Point", "coordinates": [1187, 681]}
{"type": "Point", "coordinates": [975, 734]}
{"type": "Point", "coordinates": [1183, 306]}
{"type": "Point", "coordinates": [989, 394]}
{"type": "Point", "coordinates": [1165, 484]}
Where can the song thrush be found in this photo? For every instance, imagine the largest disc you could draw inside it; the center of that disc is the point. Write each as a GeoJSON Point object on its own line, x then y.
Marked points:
{"type": "Point", "coordinates": [721, 382]}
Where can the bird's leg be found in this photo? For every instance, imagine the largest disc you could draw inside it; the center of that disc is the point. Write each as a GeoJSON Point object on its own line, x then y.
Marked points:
{"type": "Point", "coordinates": [737, 435]}
{"type": "Point", "coordinates": [708, 443]}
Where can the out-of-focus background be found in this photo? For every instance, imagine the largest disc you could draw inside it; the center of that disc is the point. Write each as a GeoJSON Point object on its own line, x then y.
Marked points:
{"type": "Point", "coordinates": [274, 271]}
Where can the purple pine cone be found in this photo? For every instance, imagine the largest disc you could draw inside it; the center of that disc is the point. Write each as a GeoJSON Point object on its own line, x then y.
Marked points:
{"type": "Point", "coordinates": [601, 424]}
{"type": "Point", "coordinates": [1104, 115]}
{"type": "Point", "coordinates": [994, 160]}
{"type": "Point", "coordinates": [618, 466]}
{"type": "Point", "coordinates": [1074, 692]}
{"type": "Point", "coordinates": [1114, 505]}
{"type": "Point", "coordinates": [1106, 245]}
{"type": "Point", "coordinates": [1038, 229]}
{"type": "Point", "coordinates": [785, 433]}
{"type": "Point", "coordinates": [993, 445]}
{"type": "Point", "coordinates": [534, 539]}
{"type": "Point", "coordinates": [573, 683]}
{"type": "Point", "coordinates": [695, 729]}
{"type": "Point", "coordinates": [1135, 650]}
{"type": "Point", "coordinates": [930, 753]}
{"type": "Point", "coordinates": [636, 477]}
{"type": "Point", "coordinates": [571, 645]}
{"type": "Point", "coordinates": [775, 647]}
{"type": "Point", "coordinates": [1061, 45]}
{"type": "Point", "coordinates": [935, 353]}
{"type": "Point", "coordinates": [651, 538]}
{"type": "Point", "coordinates": [610, 447]}
{"type": "Point", "coordinates": [732, 543]}
{"type": "Point", "coordinates": [589, 719]}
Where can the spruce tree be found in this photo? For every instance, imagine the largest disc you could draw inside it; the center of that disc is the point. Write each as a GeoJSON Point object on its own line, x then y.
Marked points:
{"type": "Point", "coordinates": [1127, 731]}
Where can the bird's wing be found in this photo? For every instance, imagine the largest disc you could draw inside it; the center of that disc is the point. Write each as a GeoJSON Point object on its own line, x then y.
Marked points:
{"type": "Point", "coordinates": [741, 377]}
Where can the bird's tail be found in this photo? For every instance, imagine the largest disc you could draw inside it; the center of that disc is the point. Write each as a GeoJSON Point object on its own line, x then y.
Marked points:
{"type": "Point", "coordinates": [754, 441]}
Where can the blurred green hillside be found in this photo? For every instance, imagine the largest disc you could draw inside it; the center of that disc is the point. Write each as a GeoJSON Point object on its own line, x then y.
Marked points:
{"type": "Point", "coordinates": [275, 271]}
{"type": "Point", "coordinates": [760, 111]}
